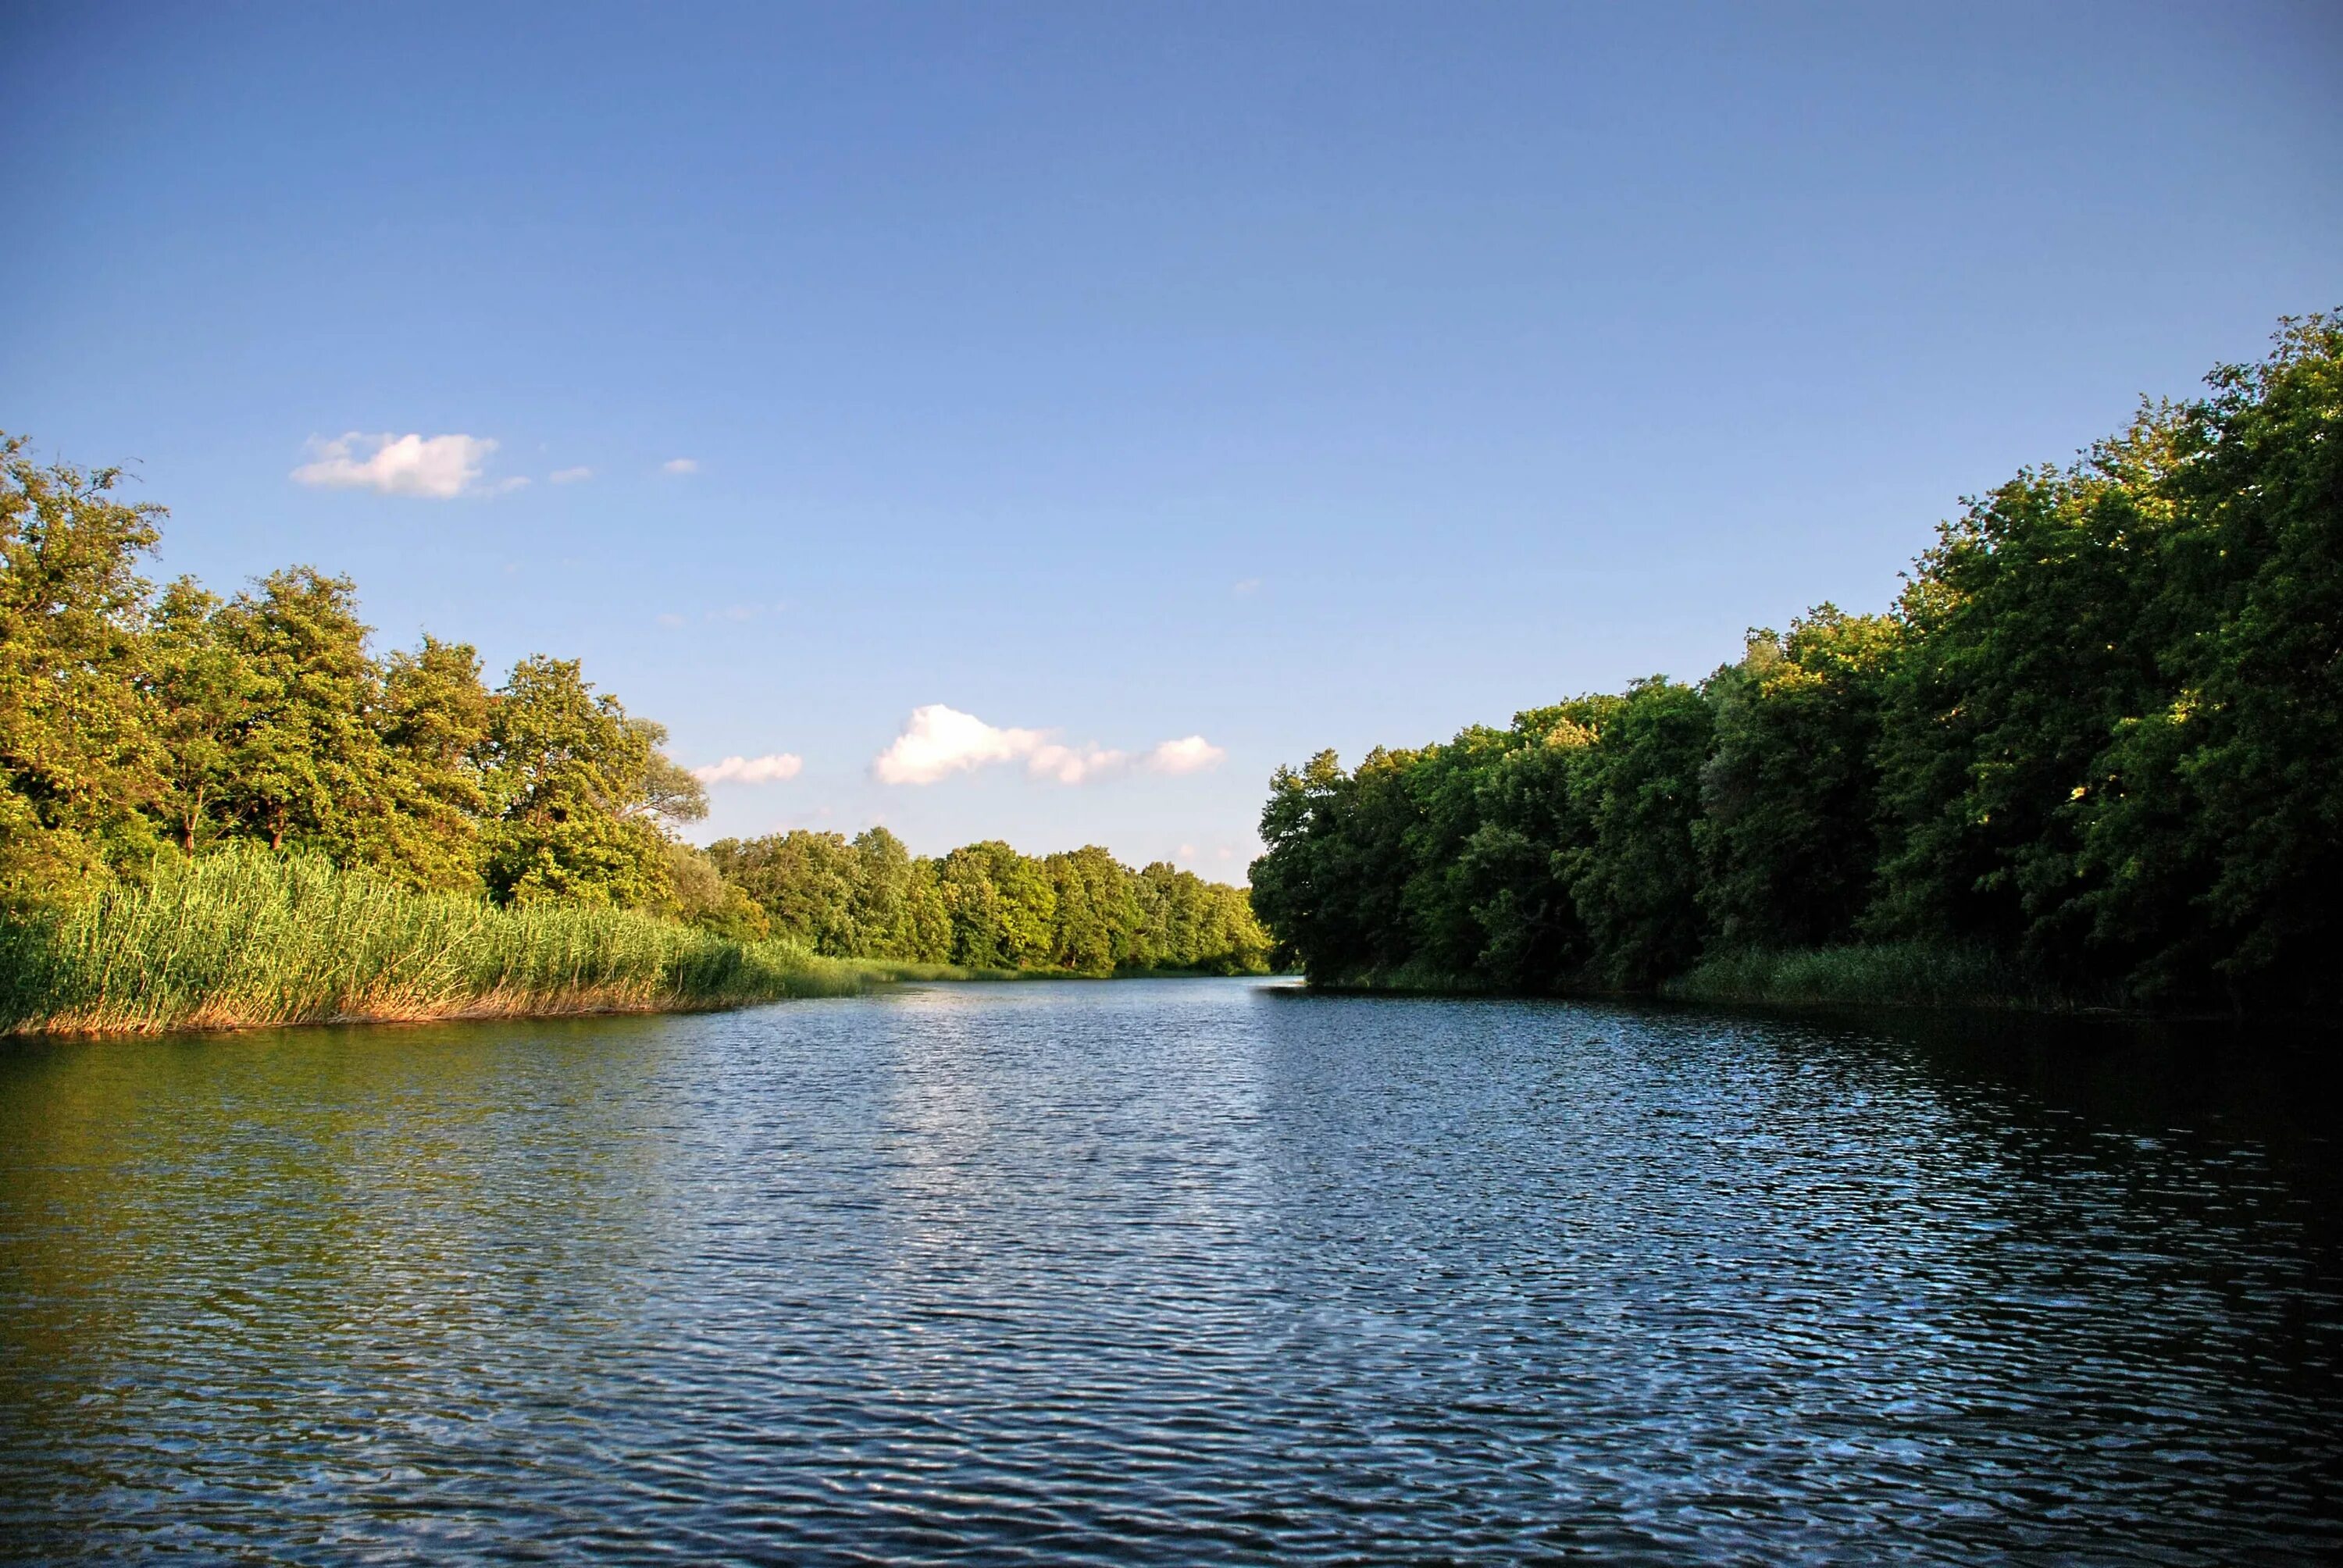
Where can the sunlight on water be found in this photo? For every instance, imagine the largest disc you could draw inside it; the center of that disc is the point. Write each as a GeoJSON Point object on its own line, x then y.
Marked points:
{"type": "Point", "coordinates": [1170, 1269]}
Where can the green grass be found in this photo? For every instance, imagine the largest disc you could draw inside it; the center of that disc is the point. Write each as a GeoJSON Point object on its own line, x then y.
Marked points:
{"type": "Point", "coordinates": [244, 938]}
{"type": "Point", "coordinates": [1902, 974]}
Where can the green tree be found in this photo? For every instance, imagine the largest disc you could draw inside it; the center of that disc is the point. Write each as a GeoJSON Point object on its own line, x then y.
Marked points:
{"type": "Point", "coordinates": [2212, 828]}
{"type": "Point", "coordinates": [1789, 833]}
{"type": "Point", "coordinates": [200, 699]}
{"type": "Point", "coordinates": [77, 760]}
{"type": "Point", "coordinates": [1002, 906]}
{"type": "Point", "coordinates": [1514, 868]}
{"type": "Point", "coordinates": [704, 898]}
{"type": "Point", "coordinates": [570, 781]}
{"type": "Point", "coordinates": [2022, 657]}
{"type": "Point", "coordinates": [1636, 884]}
{"type": "Point", "coordinates": [305, 765]}
{"type": "Point", "coordinates": [806, 882]}
{"type": "Point", "coordinates": [435, 727]}
{"type": "Point", "coordinates": [1094, 917]}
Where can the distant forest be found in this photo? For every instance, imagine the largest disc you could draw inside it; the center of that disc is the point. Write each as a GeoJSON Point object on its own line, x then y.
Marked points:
{"type": "Point", "coordinates": [985, 906]}
{"type": "Point", "coordinates": [2098, 737]}
{"type": "Point", "coordinates": [140, 726]}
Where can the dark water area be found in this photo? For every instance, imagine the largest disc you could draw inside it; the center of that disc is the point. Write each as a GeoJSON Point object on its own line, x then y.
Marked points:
{"type": "Point", "coordinates": [1174, 1272]}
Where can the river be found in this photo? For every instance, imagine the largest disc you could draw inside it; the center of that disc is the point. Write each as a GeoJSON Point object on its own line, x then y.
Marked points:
{"type": "Point", "coordinates": [1172, 1271]}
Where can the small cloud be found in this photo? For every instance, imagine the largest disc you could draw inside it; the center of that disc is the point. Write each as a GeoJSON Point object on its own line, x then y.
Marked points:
{"type": "Point", "coordinates": [506, 486]}
{"type": "Point", "coordinates": [1245, 588]}
{"type": "Point", "coordinates": [769, 769]}
{"type": "Point", "coordinates": [940, 740]}
{"type": "Point", "coordinates": [669, 618]}
{"type": "Point", "coordinates": [1191, 754]}
{"type": "Point", "coordinates": [679, 466]}
{"type": "Point", "coordinates": [1073, 764]}
{"type": "Point", "coordinates": [439, 468]}
{"type": "Point", "coordinates": [1225, 852]}
{"type": "Point", "coordinates": [569, 476]}
{"type": "Point", "coordinates": [1185, 852]}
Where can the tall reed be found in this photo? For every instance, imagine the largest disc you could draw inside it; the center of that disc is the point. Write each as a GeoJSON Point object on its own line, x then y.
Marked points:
{"type": "Point", "coordinates": [244, 937]}
{"type": "Point", "coordinates": [1899, 974]}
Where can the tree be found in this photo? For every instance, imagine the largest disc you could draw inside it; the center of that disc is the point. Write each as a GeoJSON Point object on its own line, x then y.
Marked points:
{"type": "Point", "coordinates": [2212, 831]}
{"type": "Point", "coordinates": [200, 699]}
{"type": "Point", "coordinates": [75, 758]}
{"type": "Point", "coordinates": [704, 898]}
{"type": "Point", "coordinates": [1094, 918]}
{"type": "Point", "coordinates": [305, 765]}
{"type": "Point", "coordinates": [2022, 657]}
{"type": "Point", "coordinates": [571, 783]}
{"type": "Point", "coordinates": [1788, 832]}
{"type": "Point", "coordinates": [1636, 884]}
{"type": "Point", "coordinates": [435, 725]}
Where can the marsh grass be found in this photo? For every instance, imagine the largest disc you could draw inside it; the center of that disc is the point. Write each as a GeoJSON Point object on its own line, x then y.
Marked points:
{"type": "Point", "coordinates": [1901, 974]}
{"type": "Point", "coordinates": [245, 937]}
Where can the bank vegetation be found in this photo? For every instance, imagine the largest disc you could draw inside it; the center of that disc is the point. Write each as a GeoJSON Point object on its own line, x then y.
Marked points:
{"type": "Point", "coordinates": [224, 810]}
{"type": "Point", "coordinates": [2093, 755]}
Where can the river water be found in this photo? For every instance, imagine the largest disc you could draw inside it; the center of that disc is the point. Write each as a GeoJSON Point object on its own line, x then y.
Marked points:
{"type": "Point", "coordinates": [1174, 1272]}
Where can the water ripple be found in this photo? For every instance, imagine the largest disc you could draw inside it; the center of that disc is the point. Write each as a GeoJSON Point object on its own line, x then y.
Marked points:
{"type": "Point", "coordinates": [1186, 1271]}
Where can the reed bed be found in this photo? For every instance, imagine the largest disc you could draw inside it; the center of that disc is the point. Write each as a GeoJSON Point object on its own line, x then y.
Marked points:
{"type": "Point", "coordinates": [1896, 974]}
{"type": "Point", "coordinates": [245, 938]}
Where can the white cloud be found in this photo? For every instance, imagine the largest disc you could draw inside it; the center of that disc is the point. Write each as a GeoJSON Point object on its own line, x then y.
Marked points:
{"type": "Point", "coordinates": [1244, 586]}
{"type": "Point", "coordinates": [1193, 754]}
{"type": "Point", "coordinates": [438, 467]}
{"type": "Point", "coordinates": [680, 466]}
{"type": "Point", "coordinates": [940, 740]}
{"type": "Point", "coordinates": [1186, 851]}
{"type": "Point", "coordinates": [751, 769]}
{"type": "Point", "coordinates": [1072, 764]}
{"type": "Point", "coordinates": [569, 476]}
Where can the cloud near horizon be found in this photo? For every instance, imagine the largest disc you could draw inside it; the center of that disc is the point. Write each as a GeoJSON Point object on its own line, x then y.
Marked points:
{"type": "Point", "coordinates": [771, 769]}
{"type": "Point", "coordinates": [940, 741]}
{"type": "Point", "coordinates": [1190, 754]}
{"type": "Point", "coordinates": [680, 466]}
{"type": "Point", "coordinates": [437, 468]}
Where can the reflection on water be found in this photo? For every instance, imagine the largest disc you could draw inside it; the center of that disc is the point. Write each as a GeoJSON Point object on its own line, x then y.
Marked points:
{"type": "Point", "coordinates": [1162, 1270]}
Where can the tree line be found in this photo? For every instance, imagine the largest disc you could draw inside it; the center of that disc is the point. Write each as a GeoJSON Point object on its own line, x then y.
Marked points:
{"type": "Point", "coordinates": [2099, 735]}
{"type": "Point", "coordinates": [985, 906]}
{"type": "Point", "coordinates": [137, 722]}
{"type": "Point", "coordinates": [141, 725]}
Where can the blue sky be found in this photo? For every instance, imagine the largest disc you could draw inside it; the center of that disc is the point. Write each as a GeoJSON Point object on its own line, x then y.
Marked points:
{"type": "Point", "coordinates": [1284, 376]}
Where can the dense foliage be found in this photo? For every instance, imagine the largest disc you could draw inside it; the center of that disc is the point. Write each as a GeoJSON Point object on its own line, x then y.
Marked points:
{"type": "Point", "coordinates": [136, 723]}
{"type": "Point", "coordinates": [985, 906]}
{"type": "Point", "coordinates": [141, 729]}
{"type": "Point", "coordinates": [2099, 742]}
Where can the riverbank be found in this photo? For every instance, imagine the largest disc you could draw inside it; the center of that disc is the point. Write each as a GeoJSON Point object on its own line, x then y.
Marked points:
{"type": "Point", "coordinates": [1887, 974]}
{"type": "Point", "coordinates": [244, 938]}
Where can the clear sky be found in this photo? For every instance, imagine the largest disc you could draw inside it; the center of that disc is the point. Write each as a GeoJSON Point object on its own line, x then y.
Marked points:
{"type": "Point", "coordinates": [1110, 375]}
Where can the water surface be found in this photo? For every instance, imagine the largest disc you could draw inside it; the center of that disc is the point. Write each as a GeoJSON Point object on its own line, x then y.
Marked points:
{"type": "Point", "coordinates": [1172, 1271]}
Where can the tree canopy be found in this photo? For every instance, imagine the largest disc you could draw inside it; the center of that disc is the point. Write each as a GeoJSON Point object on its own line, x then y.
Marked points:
{"type": "Point", "coordinates": [139, 723]}
{"type": "Point", "coordinates": [2099, 734]}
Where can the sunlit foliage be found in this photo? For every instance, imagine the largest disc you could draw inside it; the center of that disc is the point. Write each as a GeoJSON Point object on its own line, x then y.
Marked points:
{"type": "Point", "coordinates": [985, 906]}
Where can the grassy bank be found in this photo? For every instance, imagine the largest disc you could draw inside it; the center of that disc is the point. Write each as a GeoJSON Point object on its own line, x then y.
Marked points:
{"type": "Point", "coordinates": [1891, 974]}
{"type": "Point", "coordinates": [245, 937]}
